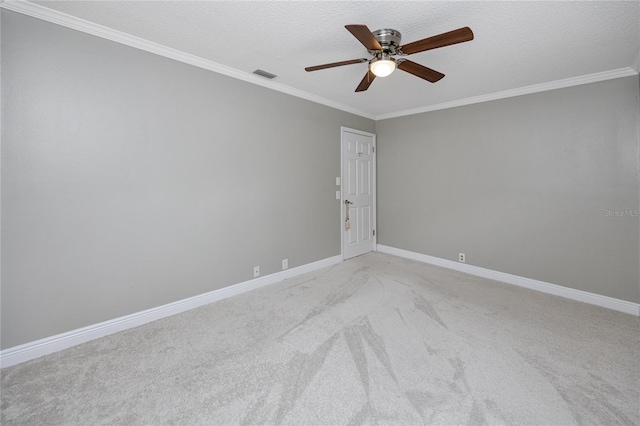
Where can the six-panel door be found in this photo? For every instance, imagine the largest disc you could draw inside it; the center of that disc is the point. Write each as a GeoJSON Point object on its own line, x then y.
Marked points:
{"type": "Point", "coordinates": [358, 187]}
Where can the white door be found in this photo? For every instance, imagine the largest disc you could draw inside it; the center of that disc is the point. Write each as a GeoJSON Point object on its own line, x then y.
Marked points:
{"type": "Point", "coordinates": [358, 193]}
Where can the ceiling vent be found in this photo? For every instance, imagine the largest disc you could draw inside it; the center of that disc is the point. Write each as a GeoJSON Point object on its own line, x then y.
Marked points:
{"type": "Point", "coordinates": [265, 74]}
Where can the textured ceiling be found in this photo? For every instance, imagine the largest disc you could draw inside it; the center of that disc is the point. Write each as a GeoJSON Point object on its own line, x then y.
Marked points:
{"type": "Point", "coordinates": [516, 44]}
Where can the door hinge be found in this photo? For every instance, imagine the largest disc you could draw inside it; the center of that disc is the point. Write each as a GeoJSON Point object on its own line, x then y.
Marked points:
{"type": "Point", "coordinates": [373, 149]}
{"type": "Point", "coordinates": [374, 232]}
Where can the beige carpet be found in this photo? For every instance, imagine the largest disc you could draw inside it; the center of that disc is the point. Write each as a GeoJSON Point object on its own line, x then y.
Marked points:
{"type": "Point", "coordinates": [374, 340]}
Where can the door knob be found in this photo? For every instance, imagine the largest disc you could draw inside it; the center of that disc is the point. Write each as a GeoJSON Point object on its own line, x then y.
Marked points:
{"type": "Point", "coordinates": [347, 202]}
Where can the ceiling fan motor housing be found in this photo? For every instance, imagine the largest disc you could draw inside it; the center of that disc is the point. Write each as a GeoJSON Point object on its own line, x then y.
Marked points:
{"type": "Point", "coordinates": [389, 40]}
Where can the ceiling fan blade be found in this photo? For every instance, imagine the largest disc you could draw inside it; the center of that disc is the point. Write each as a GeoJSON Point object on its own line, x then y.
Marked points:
{"type": "Point", "coordinates": [446, 39]}
{"type": "Point", "coordinates": [335, 64]}
{"type": "Point", "coordinates": [366, 82]}
{"type": "Point", "coordinates": [364, 35]}
{"type": "Point", "coordinates": [420, 71]}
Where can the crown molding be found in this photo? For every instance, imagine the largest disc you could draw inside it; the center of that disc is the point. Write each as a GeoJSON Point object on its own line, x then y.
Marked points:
{"type": "Point", "coordinates": [558, 84]}
{"type": "Point", "coordinates": [41, 12]}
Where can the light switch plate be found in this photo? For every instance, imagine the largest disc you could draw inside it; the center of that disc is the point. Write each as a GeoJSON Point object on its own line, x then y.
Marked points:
{"type": "Point", "coordinates": [338, 180]}
{"type": "Point", "coordinates": [337, 195]}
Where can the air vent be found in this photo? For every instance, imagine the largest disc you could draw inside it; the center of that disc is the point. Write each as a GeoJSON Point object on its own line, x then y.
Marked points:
{"type": "Point", "coordinates": [265, 74]}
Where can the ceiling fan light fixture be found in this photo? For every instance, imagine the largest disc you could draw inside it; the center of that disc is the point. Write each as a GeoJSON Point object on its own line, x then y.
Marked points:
{"type": "Point", "coordinates": [383, 65]}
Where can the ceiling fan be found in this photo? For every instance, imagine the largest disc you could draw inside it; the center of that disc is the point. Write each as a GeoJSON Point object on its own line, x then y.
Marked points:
{"type": "Point", "coordinates": [384, 44]}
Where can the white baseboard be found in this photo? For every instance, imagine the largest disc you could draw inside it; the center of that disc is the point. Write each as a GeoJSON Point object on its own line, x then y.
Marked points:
{"type": "Point", "coordinates": [557, 290]}
{"type": "Point", "coordinates": [48, 345]}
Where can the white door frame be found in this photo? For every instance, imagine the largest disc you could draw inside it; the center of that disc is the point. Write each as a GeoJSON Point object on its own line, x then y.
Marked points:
{"type": "Point", "coordinates": [344, 129]}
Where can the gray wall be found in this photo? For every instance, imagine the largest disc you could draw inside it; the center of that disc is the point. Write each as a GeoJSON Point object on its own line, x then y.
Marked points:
{"type": "Point", "coordinates": [130, 180]}
{"type": "Point", "coordinates": [521, 185]}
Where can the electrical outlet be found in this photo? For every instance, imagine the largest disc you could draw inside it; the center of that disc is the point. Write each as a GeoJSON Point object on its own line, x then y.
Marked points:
{"type": "Point", "coordinates": [285, 264]}
{"type": "Point", "coordinates": [462, 258]}
{"type": "Point", "coordinates": [256, 271]}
